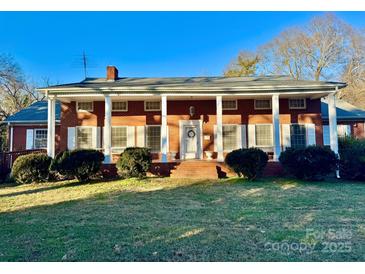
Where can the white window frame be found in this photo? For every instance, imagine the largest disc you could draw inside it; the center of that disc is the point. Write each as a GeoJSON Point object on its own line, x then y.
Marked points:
{"type": "Point", "coordinates": [272, 137]}
{"type": "Point", "coordinates": [146, 137]}
{"type": "Point", "coordinates": [120, 148]}
{"type": "Point", "coordinates": [237, 137]}
{"type": "Point", "coordinates": [145, 102]}
{"type": "Point", "coordinates": [120, 110]}
{"type": "Point", "coordinates": [305, 103]}
{"type": "Point", "coordinates": [84, 110]}
{"type": "Point", "coordinates": [35, 135]}
{"type": "Point", "coordinates": [261, 108]}
{"type": "Point", "coordinates": [235, 108]}
{"type": "Point", "coordinates": [77, 133]}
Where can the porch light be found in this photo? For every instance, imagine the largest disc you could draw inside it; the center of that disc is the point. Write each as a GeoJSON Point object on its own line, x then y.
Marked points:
{"type": "Point", "coordinates": [191, 111]}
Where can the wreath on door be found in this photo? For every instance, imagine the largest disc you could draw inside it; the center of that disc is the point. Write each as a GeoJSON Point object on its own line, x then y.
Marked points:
{"type": "Point", "coordinates": [191, 133]}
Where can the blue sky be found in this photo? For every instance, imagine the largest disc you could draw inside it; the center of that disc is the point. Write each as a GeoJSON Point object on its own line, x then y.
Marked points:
{"type": "Point", "coordinates": [145, 44]}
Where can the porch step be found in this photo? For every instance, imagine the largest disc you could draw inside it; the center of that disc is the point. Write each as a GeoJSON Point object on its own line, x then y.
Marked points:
{"type": "Point", "coordinates": [200, 169]}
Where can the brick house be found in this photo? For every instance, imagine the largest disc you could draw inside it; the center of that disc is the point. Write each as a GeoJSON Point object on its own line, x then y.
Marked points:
{"type": "Point", "coordinates": [186, 118]}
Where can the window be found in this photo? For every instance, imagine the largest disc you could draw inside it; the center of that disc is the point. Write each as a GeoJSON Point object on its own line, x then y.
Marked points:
{"type": "Point", "coordinates": [153, 138]}
{"type": "Point", "coordinates": [263, 104]}
{"type": "Point", "coordinates": [229, 104]}
{"type": "Point", "coordinates": [119, 136]}
{"type": "Point", "coordinates": [297, 103]}
{"type": "Point", "coordinates": [84, 106]}
{"type": "Point", "coordinates": [40, 138]}
{"type": "Point", "coordinates": [343, 131]}
{"type": "Point", "coordinates": [120, 106]}
{"type": "Point", "coordinates": [298, 136]}
{"type": "Point", "coordinates": [152, 105]}
{"type": "Point", "coordinates": [84, 137]}
{"type": "Point", "coordinates": [229, 137]}
{"type": "Point", "coordinates": [263, 135]}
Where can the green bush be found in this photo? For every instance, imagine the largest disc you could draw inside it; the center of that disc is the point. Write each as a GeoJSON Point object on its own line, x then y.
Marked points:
{"type": "Point", "coordinates": [134, 162]}
{"type": "Point", "coordinates": [31, 168]}
{"type": "Point", "coordinates": [352, 158]}
{"type": "Point", "coordinates": [249, 163]}
{"type": "Point", "coordinates": [310, 163]}
{"type": "Point", "coordinates": [81, 164]}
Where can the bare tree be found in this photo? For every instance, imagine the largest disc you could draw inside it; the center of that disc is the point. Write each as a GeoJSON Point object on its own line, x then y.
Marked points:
{"type": "Point", "coordinates": [284, 54]}
{"type": "Point", "coordinates": [244, 65]}
{"type": "Point", "coordinates": [315, 51]}
{"type": "Point", "coordinates": [354, 72]}
{"type": "Point", "coordinates": [15, 92]}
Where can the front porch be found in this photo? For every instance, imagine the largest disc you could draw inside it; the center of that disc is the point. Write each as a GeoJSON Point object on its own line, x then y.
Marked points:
{"type": "Point", "coordinates": [194, 169]}
{"type": "Point", "coordinates": [181, 127]}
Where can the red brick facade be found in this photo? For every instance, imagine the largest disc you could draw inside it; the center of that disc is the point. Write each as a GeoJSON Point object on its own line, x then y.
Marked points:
{"type": "Point", "coordinates": [178, 110]}
{"type": "Point", "coordinates": [205, 110]}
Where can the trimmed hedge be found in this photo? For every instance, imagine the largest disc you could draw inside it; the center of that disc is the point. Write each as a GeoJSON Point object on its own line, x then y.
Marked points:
{"type": "Point", "coordinates": [249, 163]}
{"type": "Point", "coordinates": [81, 164]}
{"type": "Point", "coordinates": [352, 158]}
{"type": "Point", "coordinates": [310, 163]}
{"type": "Point", "coordinates": [31, 168]}
{"type": "Point", "coordinates": [134, 162]}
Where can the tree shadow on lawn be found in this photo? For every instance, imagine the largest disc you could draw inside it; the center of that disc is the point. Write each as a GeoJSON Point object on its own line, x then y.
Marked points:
{"type": "Point", "coordinates": [183, 223]}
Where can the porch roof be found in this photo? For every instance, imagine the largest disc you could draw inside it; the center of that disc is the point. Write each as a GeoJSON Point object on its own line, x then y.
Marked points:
{"type": "Point", "coordinates": [344, 111]}
{"type": "Point", "coordinates": [195, 85]}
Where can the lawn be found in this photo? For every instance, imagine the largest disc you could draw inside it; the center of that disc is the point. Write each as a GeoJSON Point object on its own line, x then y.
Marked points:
{"type": "Point", "coordinates": [183, 220]}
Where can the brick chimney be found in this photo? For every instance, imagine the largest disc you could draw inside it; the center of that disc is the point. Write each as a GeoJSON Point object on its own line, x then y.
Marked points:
{"type": "Point", "coordinates": [111, 73]}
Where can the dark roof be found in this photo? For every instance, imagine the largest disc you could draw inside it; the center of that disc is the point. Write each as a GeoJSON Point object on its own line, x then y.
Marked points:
{"type": "Point", "coordinates": [187, 84]}
{"type": "Point", "coordinates": [344, 111]}
{"type": "Point", "coordinates": [35, 113]}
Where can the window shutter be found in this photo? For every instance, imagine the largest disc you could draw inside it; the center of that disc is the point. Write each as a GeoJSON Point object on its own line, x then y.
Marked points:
{"type": "Point", "coordinates": [326, 135]}
{"type": "Point", "coordinates": [98, 137]}
{"type": "Point", "coordinates": [239, 137]}
{"type": "Point", "coordinates": [348, 130]}
{"type": "Point", "coordinates": [71, 138]}
{"type": "Point", "coordinates": [215, 138]}
{"type": "Point", "coordinates": [251, 136]}
{"type": "Point", "coordinates": [286, 135]}
{"type": "Point", "coordinates": [130, 136]}
{"type": "Point", "coordinates": [243, 136]}
{"type": "Point", "coordinates": [168, 139]}
{"type": "Point", "coordinates": [311, 134]}
{"type": "Point", "coordinates": [29, 139]}
{"type": "Point", "coordinates": [140, 136]}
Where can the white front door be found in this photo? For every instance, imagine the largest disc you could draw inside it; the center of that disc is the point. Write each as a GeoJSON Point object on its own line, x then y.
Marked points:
{"type": "Point", "coordinates": [191, 142]}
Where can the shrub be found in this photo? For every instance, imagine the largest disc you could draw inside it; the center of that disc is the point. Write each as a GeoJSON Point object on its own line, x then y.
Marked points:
{"type": "Point", "coordinates": [31, 168]}
{"type": "Point", "coordinates": [81, 164]}
{"type": "Point", "coordinates": [134, 162]}
{"type": "Point", "coordinates": [310, 163]}
{"type": "Point", "coordinates": [249, 163]}
{"type": "Point", "coordinates": [352, 158]}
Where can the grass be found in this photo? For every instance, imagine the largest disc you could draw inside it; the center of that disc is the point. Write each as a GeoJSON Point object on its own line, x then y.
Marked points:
{"type": "Point", "coordinates": [183, 220]}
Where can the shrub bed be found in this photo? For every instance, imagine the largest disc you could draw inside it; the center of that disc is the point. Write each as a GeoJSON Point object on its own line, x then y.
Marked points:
{"type": "Point", "coordinates": [249, 163]}
{"type": "Point", "coordinates": [134, 162]}
{"type": "Point", "coordinates": [31, 168]}
{"type": "Point", "coordinates": [310, 163]}
{"type": "Point", "coordinates": [352, 158]}
{"type": "Point", "coordinates": [82, 164]}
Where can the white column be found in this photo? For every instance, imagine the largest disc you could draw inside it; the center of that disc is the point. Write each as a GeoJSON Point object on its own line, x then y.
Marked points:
{"type": "Point", "coordinates": [11, 136]}
{"type": "Point", "coordinates": [332, 119]}
{"type": "Point", "coordinates": [220, 156]}
{"type": "Point", "coordinates": [164, 128]}
{"type": "Point", "coordinates": [107, 141]}
{"type": "Point", "coordinates": [51, 123]}
{"type": "Point", "coordinates": [276, 126]}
